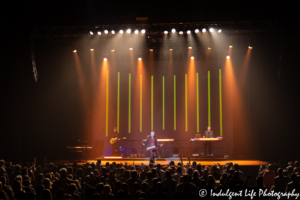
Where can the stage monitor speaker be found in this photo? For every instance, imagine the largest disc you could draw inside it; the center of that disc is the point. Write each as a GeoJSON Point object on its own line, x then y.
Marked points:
{"type": "Point", "coordinates": [98, 148]}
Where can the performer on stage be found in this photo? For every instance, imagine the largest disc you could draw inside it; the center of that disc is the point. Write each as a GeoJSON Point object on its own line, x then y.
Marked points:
{"type": "Point", "coordinates": [207, 145]}
{"type": "Point", "coordinates": [115, 146]}
{"type": "Point", "coordinates": [151, 141]}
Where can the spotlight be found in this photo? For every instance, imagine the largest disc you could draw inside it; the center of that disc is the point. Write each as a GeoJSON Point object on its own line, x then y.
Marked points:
{"type": "Point", "coordinates": [74, 51]}
{"type": "Point", "coordinates": [188, 32]}
{"type": "Point", "coordinates": [203, 30]}
{"type": "Point", "coordinates": [121, 31]}
{"type": "Point", "coordinates": [220, 30]}
{"type": "Point", "coordinates": [180, 32]}
{"type": "Point", "coordinates": [165, 32]}
{"type": "Point", "coordinates": [91, 32]}
{"type": "Point", "coordinates": [143, 31]}
{"type": "Point", "coordinates": [136, 31]}
{"type": "Point", "coordinates": [227, 57]}
{"type": "Point", "coordinates": [192, 57]}
{"type": "Point", "coordinates": [139, 58]}
{"type": "Point", "coordinates": [173, 30]}
{"type": "Point", "coordinates": [249, 47]}
{"type": "Point", "coordinates": [230, 46]}
{"type": "Point", "coordinates": [211, 30]}
{"type": "Point", "coordinates": [92, 49]}
{"type": "Point", "coordinates": [150, 49]}
{"type": "Point", "coordinates": [130, 49]}
{"type": "Point", "coordinates": [106, 31]}
{"type": "Point", "coordinates": [99, 33]}
{"type": "Point", "coordinates": [105, 59]}
{"type": "Point", "coordinates": [128, 30]}
{"type": "Point", "coordinates": [171, 49]}
{"type": "Point", "coordinates": [209, 48]}
{"type": "Point", "coordinates": [197, 31]}
{"type": "Point", "coordinates": [113, 50]}
{"type": "Point", "coordinates": [190, 47]}
{"type": "Point", "coordinates": [113, 32]}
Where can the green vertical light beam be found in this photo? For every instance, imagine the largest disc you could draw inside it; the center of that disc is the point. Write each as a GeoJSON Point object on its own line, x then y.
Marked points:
{"type": "Point", "coordinates": [220, 100]}
{"type": "Point", "coordinates": [197, 91]}
{"type": "Point", "coordinates": [163, 102]}
{"type": "Point", "coordinates": [186, 105]}
{"type": "Point", "coordinates": [118, 103]}
{"type": "Point", "coordinates": [129, 105]}
{"type": "Point", "coordinates": [151, 102]}
{"type": "Point", "coordinates": [174, 102]}
{"type": "Point", "coordinates": [208, 83]}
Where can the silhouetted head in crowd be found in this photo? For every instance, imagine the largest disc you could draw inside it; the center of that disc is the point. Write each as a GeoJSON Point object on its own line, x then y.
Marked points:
{"type": "Point", "coordinates": [63, 173]}
{"type": "Point", "coordinates": [134, 174]}
{"type": "Point", "coordinates": [46, 195]}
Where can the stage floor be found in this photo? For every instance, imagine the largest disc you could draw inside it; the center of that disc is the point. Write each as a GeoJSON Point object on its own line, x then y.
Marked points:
{"type": "Point", "coordinates": [165, 161]}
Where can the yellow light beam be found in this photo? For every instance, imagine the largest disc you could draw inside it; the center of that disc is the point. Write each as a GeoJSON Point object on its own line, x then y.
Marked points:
{"type": "Point", "coordinates": [186, 105]}
{"type": "Point", "coordinates": [141, 103]}
{"type": "Point", "coordinates": [220, 100]}
{"type": "Point", "coordinates": [129, 105]}
{"type": "Point", "coordinates": [118, 103]}
{"type": "Point", "coordinates": [174, 102]}
{"type": "Point", "coordinates": [151, 102]}
{"type": "Point", "coordinates": [208, 91]}
{"type": "Point", "coordinates": [163, 102]}
{"type": "Point", "coordinates": [197, 89]}
{"type": "Point", "coordinates": [106, 104]}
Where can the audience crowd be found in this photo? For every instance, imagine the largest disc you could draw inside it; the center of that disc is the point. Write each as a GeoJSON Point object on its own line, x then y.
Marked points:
{"type": "Point", "coordinates": [115, 181]}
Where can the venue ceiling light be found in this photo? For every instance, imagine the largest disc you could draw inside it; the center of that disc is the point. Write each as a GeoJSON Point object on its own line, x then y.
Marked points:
{"type": "Point", "coordinates": [188, 32]}
{"type": "Point", "coordinates": [227, 57]}
{"type": "Point", "coordinates": [113, 50]}
{"type": "Point", "coordinates": [136, 31]}
{"type": "Point", "coordinates": [74, 51]}
{"type": "Point", "coordinates": [203, 30]}
{"type": "Point", "coordinates": [196, 30]}
{"type": "Point", "coordinates": [143, 31]}
{"type": "Point", "coordinates": [99, 32]}
{"type": "Point", "coordinates": [249, 47]}
{"type": "Point", "coordinates": [230, 46]}
{"type": "Point", "coordinates": [173, 30]}
{"type": "Point", "coordinates": [106, 31]}
{"type": "Point", "coordinates": [211, 30]}
{"type": "Point", "coordinates": [128, 30]}
{"type": "Point", "coordinates": [220, 30]}
{"type": "Point", "coordinates": [113, 32]}
{"type": "Point", "coordinates": [171, 49]}
{"type": "Point", "coordinates": [130, 49]}
{"type": "Point", "coordinates": [121, 31]}
{"type": "Point", "coordinates": [190, 47]}
{"type": "Point", "coordinates": [165, 32]}
{"type": "Point", "coordinates": [192, 57]}
{"type": "Point", "coordinates": [105, 59]}
{"type": "Point", "coordinates": [91, 32]}
{"type": "Point", "coordinates": [180, 32]}
{"type": "Point", "coordinates": [209, 48]}
{"type": "Point", "coordinates": [139, 58]}
{"type": "Point", "coordinates": [150, 49]}
{"type": "Point", "coordinates": [92, 49]}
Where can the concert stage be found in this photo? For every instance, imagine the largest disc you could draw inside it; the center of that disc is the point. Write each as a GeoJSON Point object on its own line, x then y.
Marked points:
{"type": "Point", "coordinates": [165, 161]}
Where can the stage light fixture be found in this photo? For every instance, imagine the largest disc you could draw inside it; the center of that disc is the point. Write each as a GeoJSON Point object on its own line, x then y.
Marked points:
{"type": "Point", "coordinates": [136, 31]}
{"type": "Point", "coordinates": [113, 50]}
{"type": "Point", "coordinates": [150, 49]}
{"type": "Point", "coordinates": [188, 32]}
{"type": "Point", "coordinates": [105, 59]}
{"type": "Point", "coordinates": [139, 58]}
{"type": "Point", "coordinates": [211, 30]}
{"type": "Point", "coordinates": [74, 51]}
{"type": "Point", "coordinates": [192, 57]}
{"type": "Point", "coordinates": [165, 32]}
{"type": "Point", "coordinates": [203, 30]}
{"type": "Point", "coordinates": [190, 47]}
{"type": "Point", "coordinates": [220, 30]}
{"type": "Point", "coordinates": [128, 30]}
{"type": "Point", "coordinates": [173, 30]}
{"type": "Point", "coordinates": [230, 46]}
{"type": "Point", "coordinates": [106, 31]}
{"type": "Point", "coordinates": [249, 47]}
{"type": "Point", "coordinates": [196, 30]}
{"type": "Point", "coordinates": [99, 33]}
{"type": "Point", "coordinates": [180, 32]}
{"type": "Point", "coordinates": [130, 49]}
{"type": "Point", "coordinates": [113, 32]}
{"type": "Point", "coordinates": [227, 57]}
{"type": "Point", "coordinates": [171, 49]}
{"type": "Point", "coordinates": [121, 31]}
{"type": "Point", "coordinates": [143, 31]}
{"type": "Point", "coordinates": [91, 32]}
{"type": "Point", "coordinates": [209, 48]}
{"type": "Point", "coordinates": [91, 49]}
